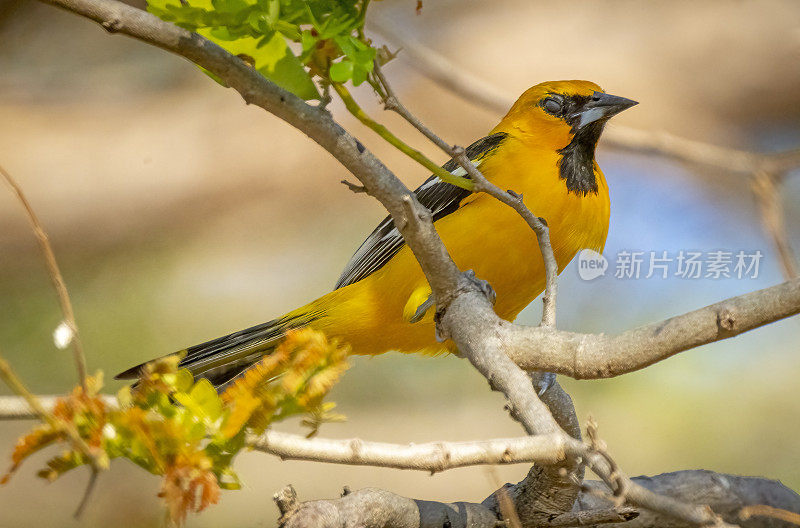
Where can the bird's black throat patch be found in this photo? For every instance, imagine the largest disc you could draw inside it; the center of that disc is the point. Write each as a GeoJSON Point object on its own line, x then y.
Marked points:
{"type": "Point", "coordinates": [576, 166]}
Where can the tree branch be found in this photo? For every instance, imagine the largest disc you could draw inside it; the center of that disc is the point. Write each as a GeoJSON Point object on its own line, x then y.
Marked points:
{"type": "Point", "coordinates": [545, 487]}
{"type": "Point", "coordinates": [531, 497]}
{"type": "Point", "coordinates": [433, 457]}
{"type": "Point", "coordinates": [20, 408]}
{"type": "Point", "coordinates": [373, 508]}
{"type": "Point", "coordinates": [596, 356]}
{"type": "Point", "coordinates": [726, 494]}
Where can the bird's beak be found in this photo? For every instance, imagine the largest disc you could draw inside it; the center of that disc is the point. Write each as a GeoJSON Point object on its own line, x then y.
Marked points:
{"type": "Point", "coordinates": [602, 106]}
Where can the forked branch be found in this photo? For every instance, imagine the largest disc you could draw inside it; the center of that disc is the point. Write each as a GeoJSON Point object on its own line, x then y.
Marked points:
{"type": "Point", "coordinates": [468, 318]}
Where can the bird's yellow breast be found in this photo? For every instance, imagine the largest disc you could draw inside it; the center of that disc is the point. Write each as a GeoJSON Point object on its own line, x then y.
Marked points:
{"type": "Point", "coordinates": [483, 235]}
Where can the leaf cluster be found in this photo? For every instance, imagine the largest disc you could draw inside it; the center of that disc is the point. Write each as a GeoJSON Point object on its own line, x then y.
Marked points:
{"type": "Point", "coordinates": [182, 429]}
{"type": "Point", "coordinates": [291, 42]}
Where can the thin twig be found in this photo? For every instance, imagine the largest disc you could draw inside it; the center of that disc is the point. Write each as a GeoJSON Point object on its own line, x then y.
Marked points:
{"type": "Point", "coordinates": [768, 511]}
{"type": "Point", "coordinates": [510, 198]}
{"type": "Point", "coordinates": [353, 107]}
{"type": "Point", "coordinates": [623, 489]}
{"type": "Point", "coordinates": [614, 479]}
{"type": "Point", "coordinates": [392, 102]}
{"type": "Point", "coordinates": [90, 487]}
{"type": "Point", "coordinates": [56, 278]}
{"type": "Point", "coordinates": [507, 509]}
{"type": "Point", "coordinates": [767, 192]}
{"type": "Point", "coordinates": [354, 187]}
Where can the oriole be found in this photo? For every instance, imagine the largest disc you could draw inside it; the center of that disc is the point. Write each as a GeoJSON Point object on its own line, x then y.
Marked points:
{"type": "Point", "coordinates": [544, 149]}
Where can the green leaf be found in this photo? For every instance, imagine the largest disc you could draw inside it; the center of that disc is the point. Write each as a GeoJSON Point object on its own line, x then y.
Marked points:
{"type": "Point", "coordinates": [274, 60]}
{"type": "Point", "coordinates": [224, 34]}
{"type": "Point", "coordinates": [260, 23]}
{"type": "Point", "coordinates": [205, 396]}
{"type": "Point", "coordinates": [124, 396]}
{"type": "Point", "coordinates": [359, 74]}
{"type": "Point", "coordinates": [60, 464]}
{"type": "Point", "coordinates": [345, 43]}
{"type": "Point", "coordinates": [341, 71]}
{"type": "Point", "coordinates": [308, 40]}
{"type": "Point", "coordinates": [273, 10]}
{"type": "Point", "coordinates": [184, 380]}
{"type": "Point", "coordinates": [202, 402]}
{"type": "Point", "coordinates": [230, 6]}
{"type": "Point", "coordinates": [265, 40]}
{"type": "Point", "coordinates": [229, 480]}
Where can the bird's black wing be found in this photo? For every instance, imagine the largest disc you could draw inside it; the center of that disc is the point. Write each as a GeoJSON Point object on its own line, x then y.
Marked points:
{"type": "Point", "coordinates": [439, 197]}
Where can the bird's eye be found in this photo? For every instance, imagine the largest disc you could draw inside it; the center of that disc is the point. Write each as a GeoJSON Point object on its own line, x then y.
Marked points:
{"type": "Point", "coordinates": [552, 105]}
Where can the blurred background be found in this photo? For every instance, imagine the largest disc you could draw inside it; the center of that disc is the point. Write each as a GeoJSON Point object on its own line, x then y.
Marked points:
{"type": "Point", "coordinates": [179, 214]}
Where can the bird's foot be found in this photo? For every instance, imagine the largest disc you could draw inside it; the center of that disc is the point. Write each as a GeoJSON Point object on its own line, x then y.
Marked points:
{"type": "Point", "coordinates": [542, 381]}
{"type": "Point", "coordinates": [482, 285]}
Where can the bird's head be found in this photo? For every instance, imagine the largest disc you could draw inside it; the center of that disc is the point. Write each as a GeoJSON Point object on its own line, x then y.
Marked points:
{"type": "Point", "coordinates": [554, 113]}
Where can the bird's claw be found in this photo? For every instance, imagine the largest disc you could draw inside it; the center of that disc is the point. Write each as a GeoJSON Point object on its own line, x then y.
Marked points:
{"type": "Point", "coordinates": [422, 309]}
{"type": "Point", "coordinates": [482, 285]}
{"type": "Point", "coordinates": [542, 381]}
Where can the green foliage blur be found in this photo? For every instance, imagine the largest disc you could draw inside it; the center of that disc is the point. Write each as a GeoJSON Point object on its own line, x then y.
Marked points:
{"type": "Point", "coordinates": [261, 32]}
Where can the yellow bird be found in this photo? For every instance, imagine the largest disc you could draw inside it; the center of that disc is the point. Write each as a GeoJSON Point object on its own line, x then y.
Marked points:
{"type": "Point", "coordinates": [543, 149]}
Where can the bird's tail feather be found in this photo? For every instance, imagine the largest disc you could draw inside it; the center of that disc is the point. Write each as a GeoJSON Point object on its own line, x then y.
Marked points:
{"type": "Point", "coordinates": [223, 359]}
